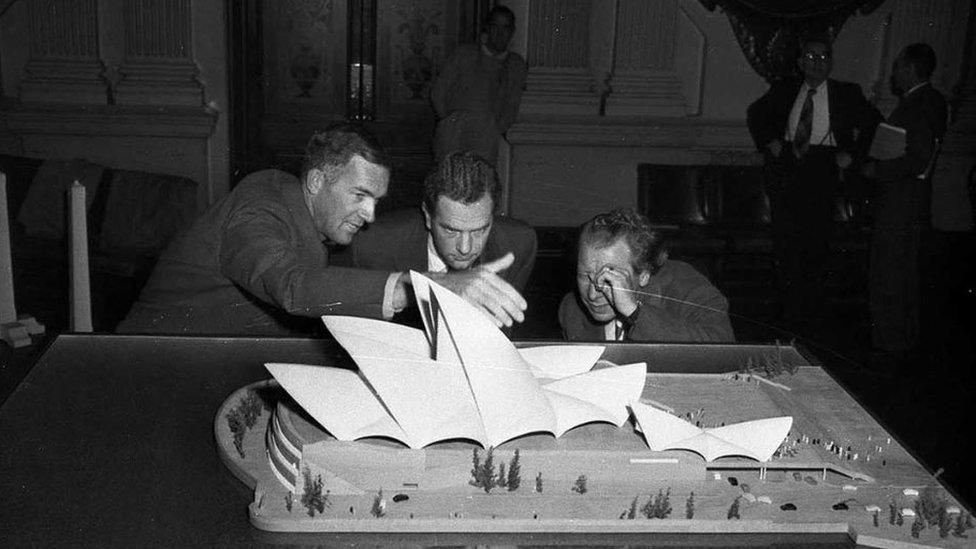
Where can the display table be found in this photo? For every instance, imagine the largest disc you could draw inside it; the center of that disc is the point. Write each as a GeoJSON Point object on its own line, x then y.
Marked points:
{"type": "Point", "coordinates": [109, 441]}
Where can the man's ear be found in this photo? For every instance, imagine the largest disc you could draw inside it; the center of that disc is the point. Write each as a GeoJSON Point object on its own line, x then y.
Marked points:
{"type": "Point", "coordinates": [643, 278]}
{"type": "Point", "coordinates": [314, 181]}
{"type": "Point", "coordinates": [427, 221]}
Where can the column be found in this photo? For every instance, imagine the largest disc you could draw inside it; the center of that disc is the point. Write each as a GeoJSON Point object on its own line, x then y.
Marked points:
{"type": "Point", "coordinates": [644, 81]}
{"type": "Point", "coordinates": [64, 65]}
{"type": "Point", "coordinates": [158, 68]}
{"type": "Point", "coordinates": [560, 80]}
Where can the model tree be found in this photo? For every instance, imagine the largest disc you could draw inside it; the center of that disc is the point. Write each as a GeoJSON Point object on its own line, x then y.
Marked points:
{"type": "Point", "coordinates": [538, 482]}
{"type": "Point", "coordinates": [580, 485]}
{"type": "Point", "coordinates": [475, 468]}
{"type": "Point", "coordinates": [690, 506]}
{"type": "Point", "coordinates": [379, 505]}
{"type": "Point", "coordinates": [312, 497]}
{"type": "Point", "coordinates": [658, 506]}
{"type": "Point", "coordinates": [632, 512]}
{"type": "Point", "coordinates": [483, 472]}
{"type": "Point", "coordinates": [892, 513]}
{"type": "Point", "coordinates": [734, 509]}
{"type": "Point", "coordinates": [514, 473]}
{"type": "Point", "coordinates": [917, 525]}
{"type": "Point", "coordinates": [502, 477]}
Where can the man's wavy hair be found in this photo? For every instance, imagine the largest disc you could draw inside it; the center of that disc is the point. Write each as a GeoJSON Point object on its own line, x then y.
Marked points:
{"type": "Point", "coordinates": [335, 146]}
{"type": "Point", "coordinates": [461, 176]}
{"type": "Point", "coordinates": [647, 245]}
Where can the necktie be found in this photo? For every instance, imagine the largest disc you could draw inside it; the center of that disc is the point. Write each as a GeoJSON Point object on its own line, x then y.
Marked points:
{"type": "Point", "coordinates": [801, 138]}
{"type": "Point", "coordinates": [619, 331]}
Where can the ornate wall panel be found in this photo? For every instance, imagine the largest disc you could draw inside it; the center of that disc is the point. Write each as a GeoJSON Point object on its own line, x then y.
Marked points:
{"type": "Point", "coordinates": [560, 79]}
{"type": "Point", "coordinates": [305, 60]}
{"type": "Point", "coordinates": [644, 81]}
{"type": "Point", "coordinates": [158, 65]}
{"type": "Point", "coordinates": [64, 65]}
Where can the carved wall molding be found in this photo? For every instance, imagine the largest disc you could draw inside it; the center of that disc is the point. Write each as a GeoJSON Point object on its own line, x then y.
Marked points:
{"type": "Point", "coordinates": [560, 79]}
{"type": "Point", "coordinates": [158, 66]}
{"type": "Point", "coordinates": [64, 65]}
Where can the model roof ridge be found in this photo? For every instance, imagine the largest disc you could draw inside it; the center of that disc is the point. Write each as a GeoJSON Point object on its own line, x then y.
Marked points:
{"type": "Point", "coordinates": [460, 378]}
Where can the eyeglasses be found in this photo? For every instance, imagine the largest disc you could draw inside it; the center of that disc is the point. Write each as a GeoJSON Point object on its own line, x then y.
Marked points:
{"type": "Point", "coordinates": [813, 56]}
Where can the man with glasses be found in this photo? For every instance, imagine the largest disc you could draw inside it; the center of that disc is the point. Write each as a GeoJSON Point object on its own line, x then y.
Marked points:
{"type": "Point", "coordinates": [477, 93]}
{"type": "Point", "coordinates": [811, 132]}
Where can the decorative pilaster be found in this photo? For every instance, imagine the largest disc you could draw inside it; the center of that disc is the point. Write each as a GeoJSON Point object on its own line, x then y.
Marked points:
{"type": "Point", "coordinates": [560, 80]}
{"type": "Point", "coordinates": [644, 81]}
{"type": "Point", "coordinates": [64, 66]}
{"type": "Point", "coordinates": [158, 67]}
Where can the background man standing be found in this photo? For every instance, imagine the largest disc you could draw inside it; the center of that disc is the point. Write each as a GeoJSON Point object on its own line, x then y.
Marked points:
{"type": "Point", "coordinates": [476, 95]}
{"type": "Point", "coordinates": [809, 132]}
{"type": "Point", "coordinates": [628, 289]}
{"type": "Point", "coordinates": [901, 202]}
{"type": "Point", "coordinates": [455, 230]}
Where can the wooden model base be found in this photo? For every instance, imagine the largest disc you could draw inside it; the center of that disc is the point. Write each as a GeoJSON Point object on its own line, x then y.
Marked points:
{"type": "Point", "coordinates": [838, 474]}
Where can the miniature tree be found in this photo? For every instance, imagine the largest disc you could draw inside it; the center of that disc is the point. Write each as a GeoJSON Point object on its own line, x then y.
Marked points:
{"type": "Point", "coordinates": [969, 520]}
{"type": "Point", "coordinates": [632, 512]}
{"type": "Point", "coordinates": [502, 477]}
{"type": "Point", "coordinates": [932, 504]}
{"type": "Point", "coordinates": [649, 509]}
{"type": "Point", "coordinates": [892, 513]}
{"type": "Point", "coordinates": [899, 519]}
{"type": "Point", "coordinates": [312, 497]}
{"type": "Point", "coordinates": [538, 482]}
{"type": "Point", "coordinates": [664, 507]}
{"type": "Point", "coordinates": [475, 468]}
{"type": "Point", "coordinates": [289, 501]}
{"type": "Point", "coordinates": [487, 477]}
{"type": "Point", "coordinates": [945, 525]}
{"type": "Point", "coordinates": [917, 525]}
{"type": "Point", "coordinates": [514, 473]}
{"type": "Point", "coordinates": [580, 485]}
{"type": "Point", "coordinates": [734, 509]}
{"type": "Point", "coordinates": [876, 521]}
{"type": "Point", "coordinates": [379, 505]}
{"type": "Point", "coordinates": [960, 529]}
{"type": "Point", "coordinates": [690, 506]}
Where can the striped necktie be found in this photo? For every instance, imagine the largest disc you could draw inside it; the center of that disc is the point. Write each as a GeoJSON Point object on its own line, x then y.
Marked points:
{"type": "Point", "coordinates": [801, 138]}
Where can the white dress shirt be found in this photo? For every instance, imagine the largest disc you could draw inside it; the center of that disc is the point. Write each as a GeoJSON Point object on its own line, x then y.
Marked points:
{"type": "Point", "coordinates": [820, 133]}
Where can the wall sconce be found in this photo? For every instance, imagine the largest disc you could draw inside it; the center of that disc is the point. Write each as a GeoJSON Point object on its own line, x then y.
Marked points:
{"type": "Point", "coordinates": [361, 75]}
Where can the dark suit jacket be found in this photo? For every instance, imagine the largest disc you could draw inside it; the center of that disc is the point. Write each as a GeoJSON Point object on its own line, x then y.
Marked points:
{"type": "Point", "coordinates": [852, 119]}
{"type": "Point", "coordinates": [252, 264]}
{"type": "Point", "coordinates": [398, 242]}
{"type": "Point", "coordinates": [678, 305]}
{"type": "Point", "coordinates": [923, 113]}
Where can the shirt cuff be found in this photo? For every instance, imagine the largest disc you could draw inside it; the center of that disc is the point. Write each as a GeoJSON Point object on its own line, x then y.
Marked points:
{"type": "Point", "coordinates": [388, 310]}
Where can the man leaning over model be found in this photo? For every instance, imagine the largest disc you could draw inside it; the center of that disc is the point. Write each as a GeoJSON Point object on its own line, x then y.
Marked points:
{"type": "Point", "coordinates": [456, 230]}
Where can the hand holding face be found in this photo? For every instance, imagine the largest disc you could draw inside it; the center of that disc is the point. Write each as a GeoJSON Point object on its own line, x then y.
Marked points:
{"type": "Point", "coordinates": [618, 287]}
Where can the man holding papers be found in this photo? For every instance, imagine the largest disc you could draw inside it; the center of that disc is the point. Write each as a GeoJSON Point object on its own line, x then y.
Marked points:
{"type": "Point", "coordinates": [809, 132]}
{"type": "Point", "coordinates": [905, 155]}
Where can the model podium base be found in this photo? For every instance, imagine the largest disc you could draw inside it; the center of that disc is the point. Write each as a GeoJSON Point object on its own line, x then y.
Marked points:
{"type": "Point", "coordinates": [837, 474]}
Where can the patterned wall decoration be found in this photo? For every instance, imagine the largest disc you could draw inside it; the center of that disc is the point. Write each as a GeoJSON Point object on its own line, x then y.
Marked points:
{"type": "Point", "coordinates": [298, 37]}
{"type": "Point", "coordinates": [417, 36]}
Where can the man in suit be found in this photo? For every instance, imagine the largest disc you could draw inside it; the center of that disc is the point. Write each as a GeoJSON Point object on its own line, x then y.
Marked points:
{"type": "Point", "coordinates": [454, 231]}
{"type": "Point", "coordinates": [901, 202]}
{"type": "Point", "coordinates": [810, 132]}
{"type": "Point", "coordinates": [258, 261]}
{"type": "Point", "coordinates": [476, 96]}
{"type": "Point", "coordinates": [628, 289]}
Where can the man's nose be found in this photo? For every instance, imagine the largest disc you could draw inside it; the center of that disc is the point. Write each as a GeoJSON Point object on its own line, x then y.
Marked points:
{"type": "Point", "coordinates": [368, 210]}
{"type": "Point", "coordinates": [592, 292]}
{"type": "Point", "coordinates": [464, 243]}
